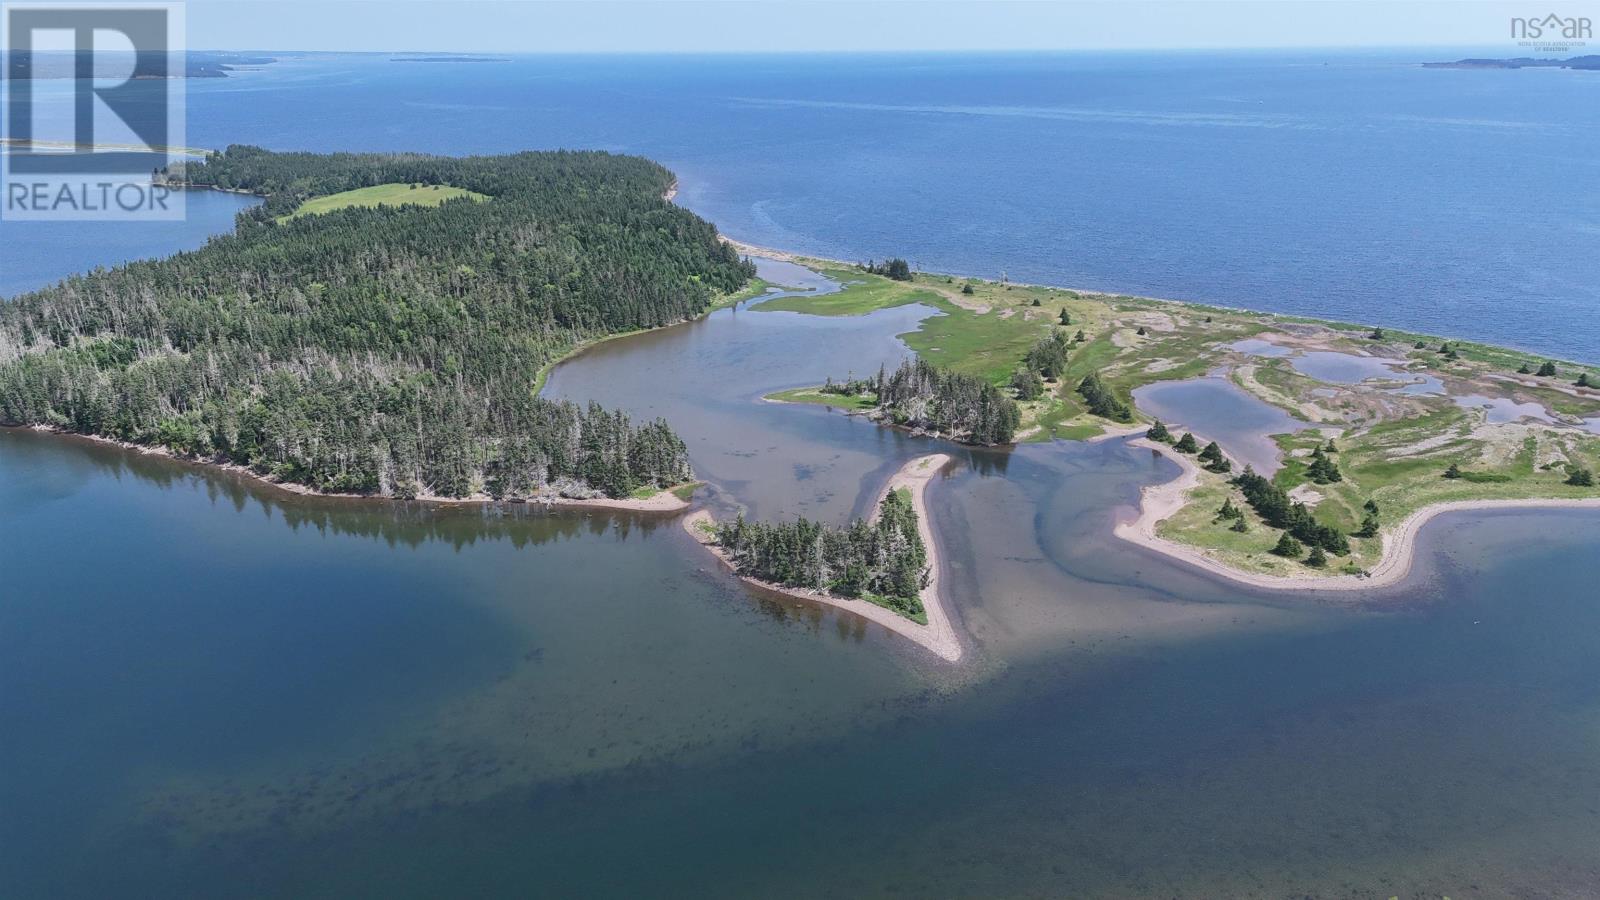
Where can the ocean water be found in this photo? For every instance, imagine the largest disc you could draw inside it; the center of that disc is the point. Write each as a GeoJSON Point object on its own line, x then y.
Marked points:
{"type": "Point", "coordinates": [1353, 186]}
{"type": "Point", "coordinates": [36, 254]}
{"type": "Point", "coordinates": [214, 689]}
{"type": "Point", "coordinates": [208, 688]}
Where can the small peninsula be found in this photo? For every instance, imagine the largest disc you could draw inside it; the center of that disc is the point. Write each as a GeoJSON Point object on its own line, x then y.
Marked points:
{"type": "Point", "coordinates": [1372, 432]}
{"type": "Point", "coordinates": [885, 569]}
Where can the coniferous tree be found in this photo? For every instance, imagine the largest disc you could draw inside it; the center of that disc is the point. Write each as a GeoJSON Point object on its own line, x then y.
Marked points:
{"type": "Point", "coordinates": [1027, 383]}
{"type": "Point", "coordinates": [1548, 370]}
{"type": "Point", "coordinates": [391, 350]}
{"type": "Point", "coordinates": [1287, 547]}
{"type": "Point", "coordinates": [883, 560]}
{"type": "Point", "coordinates": [962, 407]}
{"type": "Point", "coordinates": [1101, 401]}
{"type": "Point", "coordinates": [1187, 443]}
{"type": "Point", "coordinates": [1275, 507]}
{"type": "Point", "coordinates": [1323, 470]}
{"type": "Point", "coordinates": [1159, 432]}
{"type": "Point", "coordinates": [1049, 356]}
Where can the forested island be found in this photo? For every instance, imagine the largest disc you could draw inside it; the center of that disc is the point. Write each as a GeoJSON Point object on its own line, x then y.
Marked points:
{"type": "Point", "coordinates": [27, 65]}
{"type": "Point", "coordinates": [1520, 62]}
{"type": "Point", "coordinates": [390, 349]}
{"type": "Point", "coordinates": [884, 569]}
{"type": "Point", "coordinates": [922, 397]}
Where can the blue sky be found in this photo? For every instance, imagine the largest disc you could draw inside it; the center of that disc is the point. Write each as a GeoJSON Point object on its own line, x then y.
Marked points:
{"type": "Point", "coordinates": [887, 25]}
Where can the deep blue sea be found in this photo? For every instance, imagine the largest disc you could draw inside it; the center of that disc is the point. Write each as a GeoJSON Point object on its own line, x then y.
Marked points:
{"type": "Point", "coordinates": [1355, 186]}
{"type": "Point", "coordinates": [211, 689]}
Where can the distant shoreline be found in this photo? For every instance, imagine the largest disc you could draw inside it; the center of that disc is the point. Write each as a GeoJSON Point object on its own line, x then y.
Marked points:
{"type": "Point", "coordinates": [939, 635]}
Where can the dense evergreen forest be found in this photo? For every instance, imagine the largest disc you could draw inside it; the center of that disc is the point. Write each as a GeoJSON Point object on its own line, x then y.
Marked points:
{"type": "Point", "coordinates": [392, 350]}
{"type": "Point", "coordinates": [883, 561]}
{"type": "Point", "coordinates": [921, 395]}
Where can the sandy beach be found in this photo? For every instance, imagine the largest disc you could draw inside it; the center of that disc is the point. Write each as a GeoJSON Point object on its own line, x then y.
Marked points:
{"type": "Point", "coordinates": [939, 635]}
{"type": "Point", "coordinates": [1158, 502]}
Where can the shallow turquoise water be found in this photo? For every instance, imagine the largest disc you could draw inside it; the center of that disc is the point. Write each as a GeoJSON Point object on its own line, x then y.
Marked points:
{"type": "Point", "coordinates": [465, 700]}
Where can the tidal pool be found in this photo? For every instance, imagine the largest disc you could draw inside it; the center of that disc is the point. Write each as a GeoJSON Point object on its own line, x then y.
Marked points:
{"type": "Point", "coordinates": [1222, 411]}
{"type": "Point", "coordinates": [1344, 368]}
{"type": "Point", "coordinates": [1499, 410]}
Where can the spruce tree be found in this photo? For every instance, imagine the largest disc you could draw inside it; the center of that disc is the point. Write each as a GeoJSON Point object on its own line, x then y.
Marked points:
{"type": "Point", "coordinates": [1187, 443]}
{"type": "Point", "coordinates": [1288, 547]}
{"type": "Point", "coordinates": [1317, 559]}
{"type": "Point", "coordinates": [1323, 470]}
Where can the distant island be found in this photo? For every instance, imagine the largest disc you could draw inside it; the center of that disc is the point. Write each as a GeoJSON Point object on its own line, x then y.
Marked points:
{"type": "Point", "coordinates": [1520, 62]}
{"type": "Point", "coordinates": [197, 64]}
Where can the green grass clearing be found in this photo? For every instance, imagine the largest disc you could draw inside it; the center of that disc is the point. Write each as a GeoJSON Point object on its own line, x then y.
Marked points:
{"type": "Point", "coordinates": [396, 194]}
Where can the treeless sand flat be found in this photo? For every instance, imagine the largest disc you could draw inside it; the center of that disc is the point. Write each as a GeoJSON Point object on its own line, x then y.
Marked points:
{"type": "Point", "coordinates": [939, 635]}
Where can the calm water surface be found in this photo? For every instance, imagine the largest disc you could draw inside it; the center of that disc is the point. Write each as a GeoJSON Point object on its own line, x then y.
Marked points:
{"type": "Point", "coordinates": [1350, 185]}
{"type": "Point", "coordinates": [1335, 184]}
{"type": "Point", "coordinates": [36, 254]}
{"type": "Point", "coordinates": [1219, 410]}
{"type": "Point", "coordinates": [207, 688]}
{"type": "Point", "coordinates": [437, 700]}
